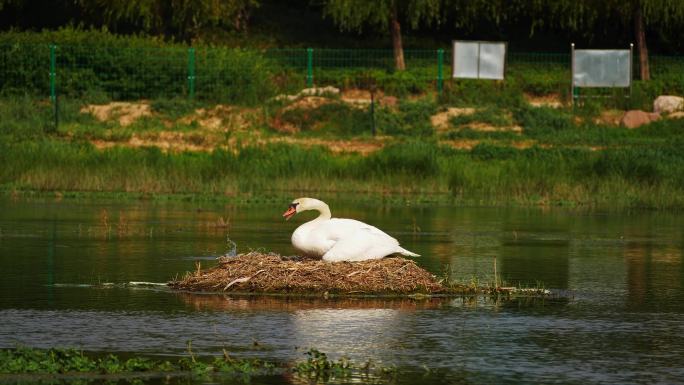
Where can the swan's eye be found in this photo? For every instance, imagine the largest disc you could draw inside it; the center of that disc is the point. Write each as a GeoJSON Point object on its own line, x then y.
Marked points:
{"type": "Point", "coordinates": [293, 205]}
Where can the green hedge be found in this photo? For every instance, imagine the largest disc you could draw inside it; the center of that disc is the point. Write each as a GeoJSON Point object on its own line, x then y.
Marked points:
{"type": "Point", "coordinates": [97, 64]}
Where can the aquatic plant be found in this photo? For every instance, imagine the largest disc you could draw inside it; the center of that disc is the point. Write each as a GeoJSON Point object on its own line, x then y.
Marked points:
{"type": "Point", "coordinates": [24, 360]}
{"type": "Point", "coordinates": [319, 367]}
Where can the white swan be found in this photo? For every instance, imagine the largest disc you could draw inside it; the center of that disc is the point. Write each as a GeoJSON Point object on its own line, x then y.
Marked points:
{"type": "Point", "coordinates": [337, 239]}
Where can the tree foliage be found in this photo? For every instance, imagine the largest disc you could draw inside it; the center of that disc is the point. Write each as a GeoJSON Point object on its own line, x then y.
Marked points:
{"type": "Point", "coordinates": [174, 18]}
{"type": "Point", "coordinates": [386, 15]}
{"type": "Point", "coordinates": [579, 15]}
{"type": "Point", "coordinates": [354, 15]}
{"type": "Point", "coordinates": [181, 18]}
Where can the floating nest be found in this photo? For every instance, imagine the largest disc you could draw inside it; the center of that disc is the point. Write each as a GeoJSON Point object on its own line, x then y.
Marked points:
{"type": "Point", "coordinates": [271, 273]}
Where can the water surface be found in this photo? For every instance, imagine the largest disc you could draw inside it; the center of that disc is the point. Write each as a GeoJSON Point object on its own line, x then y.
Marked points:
{"type": "Point", "coordinates": [67, 268]}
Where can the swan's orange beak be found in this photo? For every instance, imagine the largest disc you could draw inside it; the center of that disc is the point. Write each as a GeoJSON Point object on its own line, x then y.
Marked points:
{"type": "Point", "coordinates": [291, 211]}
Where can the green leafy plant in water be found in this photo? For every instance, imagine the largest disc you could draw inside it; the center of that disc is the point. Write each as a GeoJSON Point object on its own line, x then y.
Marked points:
{"type": "Point", "coordinates": [317, 365]}
{"type": "Point", "coordinates": [59, 361]}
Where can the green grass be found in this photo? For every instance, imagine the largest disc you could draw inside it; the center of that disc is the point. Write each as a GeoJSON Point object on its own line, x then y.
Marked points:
{"type": "Point", "coordinates": [620, 177]}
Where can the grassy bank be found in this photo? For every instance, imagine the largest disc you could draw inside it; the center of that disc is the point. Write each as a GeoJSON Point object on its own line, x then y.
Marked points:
{"type": "Point", "coordinates": [558, 156]}
{"type": "Point", "coordinates": [487, 174]}
{"type": "Point", "coordinates": [504, 150]}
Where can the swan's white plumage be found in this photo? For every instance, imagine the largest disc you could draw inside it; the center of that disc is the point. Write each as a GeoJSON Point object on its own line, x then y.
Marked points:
{"type": "Point", "coordinates": [336, 239]}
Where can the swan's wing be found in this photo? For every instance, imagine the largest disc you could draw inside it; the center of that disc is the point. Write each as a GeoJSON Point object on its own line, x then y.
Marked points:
{"type": "Point", "coordinates": [364, 243]}
{"type": "Point", "coordinates": [340, 228]}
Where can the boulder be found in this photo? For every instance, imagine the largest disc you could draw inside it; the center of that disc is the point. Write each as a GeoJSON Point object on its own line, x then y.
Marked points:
{"type": "Point", "coordinates": [668, 104]}
{"type": "Point", "coordinates": [637, 118]}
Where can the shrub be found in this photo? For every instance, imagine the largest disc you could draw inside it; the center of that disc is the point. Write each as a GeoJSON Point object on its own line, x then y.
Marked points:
{"type": "Point", "coordinates": [541, 120]}
{"type": "Point", "coordinates": [411, 118]}
{"type": "Point", "coordinates": [337, 118]}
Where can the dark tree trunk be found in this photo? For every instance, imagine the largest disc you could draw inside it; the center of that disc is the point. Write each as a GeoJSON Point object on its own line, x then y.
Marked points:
{"type": "Point", "coordinates": [396, 40]}
{"type": "Point", "coordinates": [639, 31]}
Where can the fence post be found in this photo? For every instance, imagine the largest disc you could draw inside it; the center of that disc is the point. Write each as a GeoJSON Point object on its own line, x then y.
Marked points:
{"type": "Point", "coordinates": [191, 72]}
{"type": "Point", "coordinates": [53, 85]}
{"type": "Point", "coordinates": [309, 67]}
{"type": "Point", "coordinates": [440, 70]}
{"type": "Point", "coordinates": [53, 72]}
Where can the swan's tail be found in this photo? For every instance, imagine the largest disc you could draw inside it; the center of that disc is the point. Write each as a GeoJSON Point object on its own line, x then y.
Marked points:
{"type": "Point", "coordinates": [406, 253]}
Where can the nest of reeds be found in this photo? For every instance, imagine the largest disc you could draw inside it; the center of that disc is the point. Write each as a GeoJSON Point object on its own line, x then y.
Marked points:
{"type": "Point", "coordinates": [271, 273]}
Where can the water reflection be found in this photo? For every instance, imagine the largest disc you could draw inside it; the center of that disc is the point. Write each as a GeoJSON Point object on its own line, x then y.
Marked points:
{"type": "Point", "coordinates": [218, 302]}
{"type": "Point", "coordinates": [646, 260]}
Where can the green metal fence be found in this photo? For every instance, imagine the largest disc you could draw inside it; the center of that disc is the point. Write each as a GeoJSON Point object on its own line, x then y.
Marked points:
{"type": "Point", "coordinates": [231, 75]}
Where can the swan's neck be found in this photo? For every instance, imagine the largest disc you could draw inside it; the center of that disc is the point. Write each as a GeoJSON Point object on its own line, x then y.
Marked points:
{"type": "Point", "coordinates": [301, 237]}
{"type": "Point", "coordinates": [323, 209]}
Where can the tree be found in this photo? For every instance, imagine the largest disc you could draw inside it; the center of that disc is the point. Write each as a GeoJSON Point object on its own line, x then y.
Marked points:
{"type": "Point", "coordinates": [179, 18]}
{"type": "Point", "coordinates": [643, 14]}
{"type": "Point", "coordinates": [354, 15]}
{"type": "Point", "coordinates": [588, 15]}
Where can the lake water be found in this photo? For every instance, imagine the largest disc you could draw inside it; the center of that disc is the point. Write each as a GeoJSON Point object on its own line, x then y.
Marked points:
{"type": "Point", "coordinates": [67, 267]}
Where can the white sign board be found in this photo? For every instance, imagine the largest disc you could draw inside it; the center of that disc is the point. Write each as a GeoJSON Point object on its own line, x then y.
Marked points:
{"type": "Point", "coordinates": [601, 68]}
{"type": "Point", "coordinates": [479, 60]}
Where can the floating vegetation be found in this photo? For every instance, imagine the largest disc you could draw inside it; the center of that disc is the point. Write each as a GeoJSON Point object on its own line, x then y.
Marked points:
{"type": "Point", "coordinates": [74, 363]}
{"type": "Point", "coordinates": [36, 365]}
{"type": "Point", "coordinates": [320, 368]}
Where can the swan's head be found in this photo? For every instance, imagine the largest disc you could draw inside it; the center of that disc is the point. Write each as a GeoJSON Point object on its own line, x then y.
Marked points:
{"type": "Point", "coordinates": [302, 204]}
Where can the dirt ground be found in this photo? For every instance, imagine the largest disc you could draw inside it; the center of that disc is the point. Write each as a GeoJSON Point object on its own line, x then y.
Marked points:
{"type": "Point", "coordinates": [124, 112]}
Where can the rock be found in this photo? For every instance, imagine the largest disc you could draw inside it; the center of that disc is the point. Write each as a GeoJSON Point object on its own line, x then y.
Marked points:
{"type": "Point", "coordinates": [668, 104]}
{"type": "Point", "coordinates": [637, 118]}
